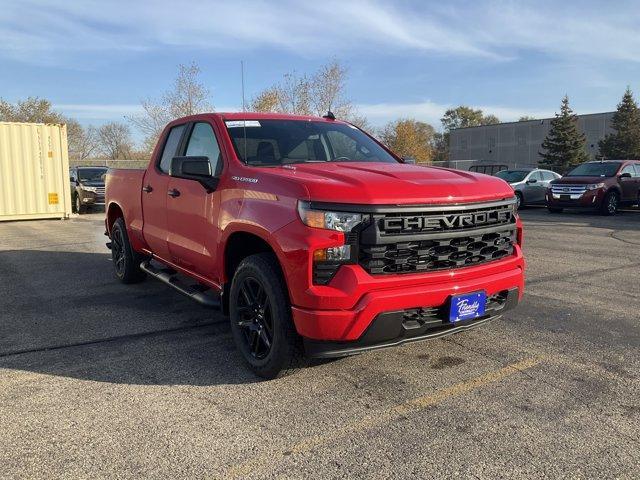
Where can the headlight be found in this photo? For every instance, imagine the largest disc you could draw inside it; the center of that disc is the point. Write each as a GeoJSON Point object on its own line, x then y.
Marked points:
{"type": "Point", "coordinates": [340, 221]}
{"type": "Point", "coordinates": [595, 186]}
{"type": "Point", "coordinates": [89, 189]}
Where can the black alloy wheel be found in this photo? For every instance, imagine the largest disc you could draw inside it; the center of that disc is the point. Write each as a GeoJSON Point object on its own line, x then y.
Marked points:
{"type": "Point", "coordinates": [126, 262]}
{"type": "Point", "coordinates": [78, 205]}
{"type": "Point", "coordinates": [610, 203]}
{"type": "Point", "coordinates": [261, 319]}
{"type": "Point", "coordinates": [255, 317]}
{"type": "Point", "coordinates": [519, 200]}
{"type": "Point", "coordinates": [118, 254]}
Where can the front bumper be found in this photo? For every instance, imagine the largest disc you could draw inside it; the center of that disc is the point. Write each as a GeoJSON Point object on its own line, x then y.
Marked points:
{"type": "Point", "coordinates": [403, 326]}
{"type": "Point", "coordinates": [91, 198]}
{"type": "Point", "coordinates": [348, 325]}
{"type": "Point", "coordinates": [589, 199]}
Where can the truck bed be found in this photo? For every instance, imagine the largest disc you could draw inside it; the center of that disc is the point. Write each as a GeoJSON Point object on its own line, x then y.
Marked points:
{"type": "Point", "coordinates": [124, 187]}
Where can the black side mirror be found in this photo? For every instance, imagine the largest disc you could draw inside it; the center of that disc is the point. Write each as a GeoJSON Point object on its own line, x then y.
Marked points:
{"type": "Point", "coordinates": [409, 160]}
{"type": "Point", "coordinates": [194, 168]}
{"type": "Point", "coordinates": [625, 175]}
{"type": "Point", "coordinates": [533, 180]}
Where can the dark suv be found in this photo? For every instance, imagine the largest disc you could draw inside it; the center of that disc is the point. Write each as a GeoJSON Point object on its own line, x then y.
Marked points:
{"type": "Point", "coordinates": [604, 185]}
{"type": "Point", "coordinates": [87, 187]}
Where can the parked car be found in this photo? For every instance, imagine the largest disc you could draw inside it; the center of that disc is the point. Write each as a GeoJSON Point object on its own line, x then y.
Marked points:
{"type": "Point", "coordinates": [601, 185]}
{"type": "Point", "coordinates": [316, 239]}
{"type": "Point", "coordinates": [487, 168]}
{"type": "Point", "coordinates": [87, 187]}
{"type": "Point", "coordinates": [529, 184]}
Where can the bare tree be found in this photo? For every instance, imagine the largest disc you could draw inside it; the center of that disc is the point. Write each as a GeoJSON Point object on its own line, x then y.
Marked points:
{"type": "Point", "coordinates": [83, 142]}
{"type": "Point", "coordinates": [115, 141]}
{"type": "Point", "coordinates": [187, 96]}
{"type": "Point", "coordinates": [310, 95]}
{"type": "Point", "coordinates": [294, 94]}
{"type": "Point", "coordinates": [327, 91]}
{"type": "Point", "coordinates": [33, 109]}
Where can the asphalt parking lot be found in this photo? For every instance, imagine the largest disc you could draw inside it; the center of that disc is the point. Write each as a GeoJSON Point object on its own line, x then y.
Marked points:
{"type": "Point", "coordinates": [98, 379]}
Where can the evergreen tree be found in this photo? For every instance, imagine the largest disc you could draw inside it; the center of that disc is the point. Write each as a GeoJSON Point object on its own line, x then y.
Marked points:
{"type": "Point", "coordinates": [624, 143]}
{"type": "Point", "coordinates": [564, 145]}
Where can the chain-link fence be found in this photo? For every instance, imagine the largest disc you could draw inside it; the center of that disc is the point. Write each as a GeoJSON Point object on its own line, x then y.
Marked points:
{"type": "Point", "coordinates": [130, 164]}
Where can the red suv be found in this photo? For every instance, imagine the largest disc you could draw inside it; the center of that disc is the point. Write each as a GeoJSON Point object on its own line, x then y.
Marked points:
{"type": "Point", "coordinates": [604, 185]}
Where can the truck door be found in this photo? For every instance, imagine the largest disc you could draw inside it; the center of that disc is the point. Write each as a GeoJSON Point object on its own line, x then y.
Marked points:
{"type": "Point", "coordinates": [628, 184]}
{"type": "Point", "coordinates": [534, 189]}
{"type": "Point", "coordinates": [154, 195]}
{"type": "Point", "coordinates": [547, 177]}
{"type": "Point", "coordinates": [192, 213]}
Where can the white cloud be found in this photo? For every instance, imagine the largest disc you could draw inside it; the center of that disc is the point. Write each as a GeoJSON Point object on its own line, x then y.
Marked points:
{"type": "Point", "coordinates": [98, 111]}
{"type": "Point", "coordinates": [46, 31]}
{"type": "Point", "coordinates": [431, 112]}
{"type": "Point", "coordinates": [111, 112]}
{"type": "Point", "coordinates": [62, 28]}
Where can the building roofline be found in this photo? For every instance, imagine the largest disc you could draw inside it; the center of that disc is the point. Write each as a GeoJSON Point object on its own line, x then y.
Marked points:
{"type": "Point", "coordinates": [528, 121]}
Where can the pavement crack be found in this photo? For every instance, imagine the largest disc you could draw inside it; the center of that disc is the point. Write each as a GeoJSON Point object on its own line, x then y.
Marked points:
{"type": "Point", "coordinates": [531, 376]}
{"type": "Point", "coordinates": [629, 242]}
{"type": "Point", "coordinates": [116, 338]}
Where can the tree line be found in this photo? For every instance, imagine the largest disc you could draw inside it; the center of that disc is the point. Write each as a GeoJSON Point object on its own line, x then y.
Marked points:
{"type": "Point", "coordinates": [565, 145]}
{"type": "Point", "coordinates": [314, 94]}
{"type": "Point", "coordinates": [112, 140]}
{"type": "Point", "coordinates": [302, 94]}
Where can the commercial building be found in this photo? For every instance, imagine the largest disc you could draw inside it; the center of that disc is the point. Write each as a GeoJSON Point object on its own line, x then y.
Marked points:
{"type": "Point", "coordinates": [517, 144]}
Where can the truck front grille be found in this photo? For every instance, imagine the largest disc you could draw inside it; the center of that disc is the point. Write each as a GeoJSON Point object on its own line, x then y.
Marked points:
{"type": "Point", "coordinates": [430, 240]}
{"type": "Point", "coordinates": [565, 189]}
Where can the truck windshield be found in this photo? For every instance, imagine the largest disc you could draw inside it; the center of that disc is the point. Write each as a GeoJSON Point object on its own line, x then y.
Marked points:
{"type": "Point", "coordinates": [91, 174]}
{"type": "Point", "coordinates": [595, 169]}
{"type": "Point", "coordinates": [512, 176]}
{"type": "Point", "coordinates": [282, 142]}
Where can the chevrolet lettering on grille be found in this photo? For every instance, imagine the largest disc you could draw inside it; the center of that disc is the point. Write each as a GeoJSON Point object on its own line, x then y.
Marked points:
{"type": "Point", "coordinates": [444, 222]}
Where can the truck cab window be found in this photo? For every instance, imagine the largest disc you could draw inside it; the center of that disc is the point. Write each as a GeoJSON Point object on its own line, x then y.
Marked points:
{"type": "Point", "coordinates": [345, 146]}
{"type": "Point", "coordinates": [170, 147]}
{"type": "Point", "coordinates": [629, 169]}
{"type": "Point", "coordinates": [272, 142]}
{"type": "Point", "coordinates": [203, 143]}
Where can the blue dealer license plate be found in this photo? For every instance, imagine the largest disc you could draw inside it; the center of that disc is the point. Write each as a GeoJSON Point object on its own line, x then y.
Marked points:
{"type": "Point", "coordinates": [467, 306]}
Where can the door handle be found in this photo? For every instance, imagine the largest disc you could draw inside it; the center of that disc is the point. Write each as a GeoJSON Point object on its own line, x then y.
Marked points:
{"type": "Point", "coordinates": [173, 193]}
{"type": "Point", "coordinates": [147, 189]}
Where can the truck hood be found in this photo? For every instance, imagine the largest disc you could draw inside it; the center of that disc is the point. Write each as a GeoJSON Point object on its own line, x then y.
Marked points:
{"type": "Point", "coordinates": [393, 183]}
{"type": "Point", "coordinates": [579, 180]}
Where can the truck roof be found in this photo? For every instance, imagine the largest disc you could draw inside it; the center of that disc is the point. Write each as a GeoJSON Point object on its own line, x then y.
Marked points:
{"type": "Point", "coordinates": [260, 116]}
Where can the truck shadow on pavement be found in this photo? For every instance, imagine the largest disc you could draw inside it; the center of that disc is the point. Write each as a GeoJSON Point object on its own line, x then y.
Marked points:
{"type": "Point", "coordinates": [64, 313]}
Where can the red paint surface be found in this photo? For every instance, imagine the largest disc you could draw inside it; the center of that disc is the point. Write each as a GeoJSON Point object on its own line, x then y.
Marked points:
{"type": "Point", "coordinates": [191, 232]}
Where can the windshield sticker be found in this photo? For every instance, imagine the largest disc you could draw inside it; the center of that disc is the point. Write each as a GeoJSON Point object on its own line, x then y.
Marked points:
{"type": "Point", "coordinates": [242, 123]}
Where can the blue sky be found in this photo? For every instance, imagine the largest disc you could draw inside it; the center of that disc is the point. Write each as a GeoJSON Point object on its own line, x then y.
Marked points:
{"type": "Point", "coordinates": [95, 60]}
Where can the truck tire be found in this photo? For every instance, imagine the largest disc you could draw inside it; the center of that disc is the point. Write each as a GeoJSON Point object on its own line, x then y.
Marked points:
{"type": "Point", "coordinates": [610, 202]}
{"type": "Point", "coordinates": [126, 262]}
{"type": "Point", "coordinates": [77, 205]}
{"type": "Point", "coordinates": [519, 201]}
{"type": "Point", "coordinates": [261, 320]}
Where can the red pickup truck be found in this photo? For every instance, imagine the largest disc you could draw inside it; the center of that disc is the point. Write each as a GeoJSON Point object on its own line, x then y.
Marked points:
{"type": "Point", "coordinates": [313, 237]}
